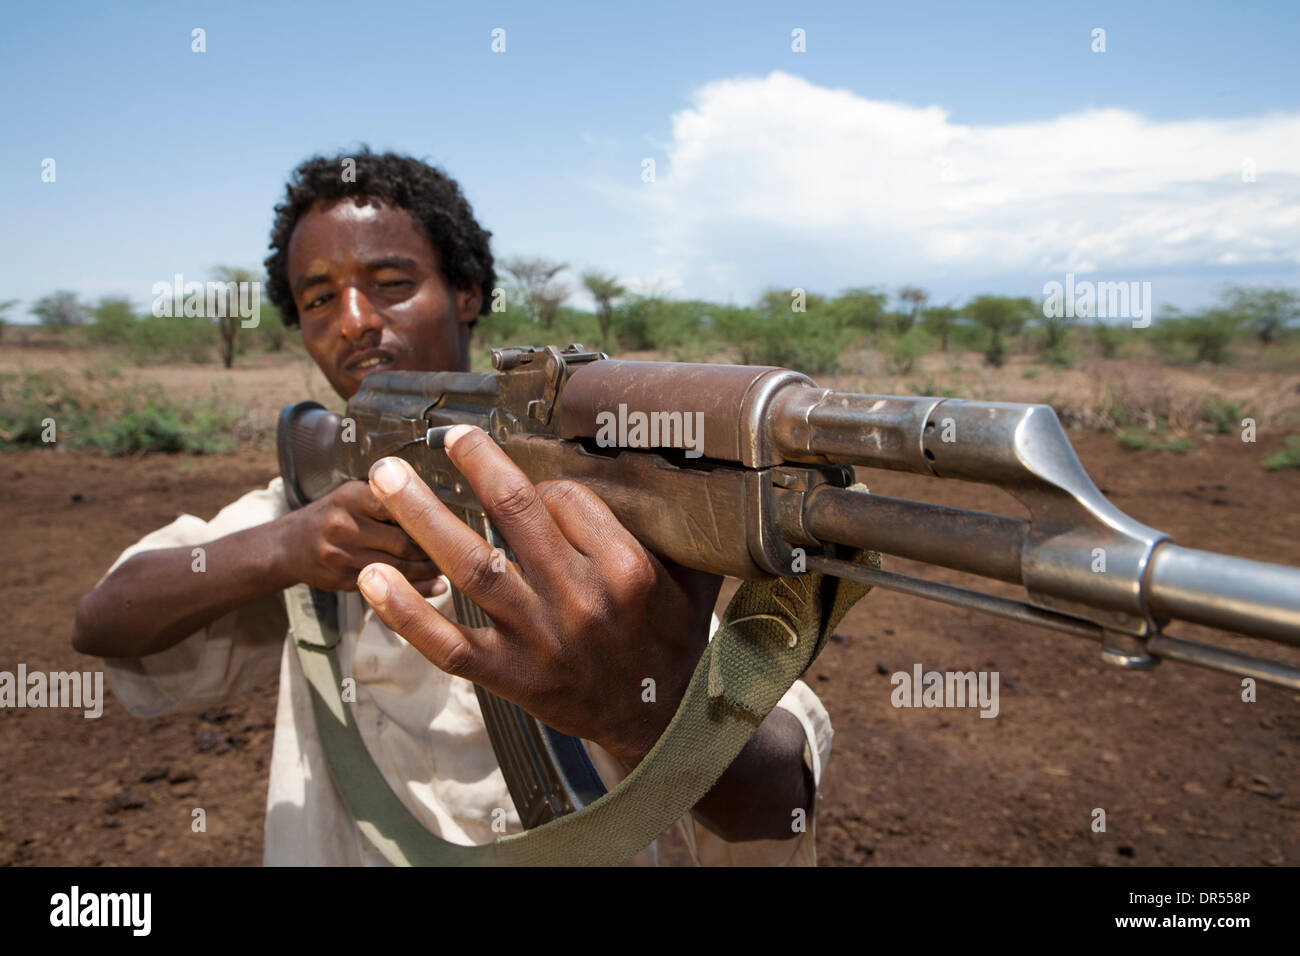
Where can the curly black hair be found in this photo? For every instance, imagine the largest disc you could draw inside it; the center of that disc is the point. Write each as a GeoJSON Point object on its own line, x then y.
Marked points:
{"type": "Point", "coordinates": [433, 199]}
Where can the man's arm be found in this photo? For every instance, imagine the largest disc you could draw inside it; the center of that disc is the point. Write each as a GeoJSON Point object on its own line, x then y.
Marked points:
{"type": "Point", "coordinates": [757, 796]}
{"type": "Point", "coordinates": [156, 599]}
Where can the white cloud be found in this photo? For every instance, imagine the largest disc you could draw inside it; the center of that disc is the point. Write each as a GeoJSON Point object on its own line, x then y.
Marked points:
{"type": "Point", "coordinates": [769, 179]}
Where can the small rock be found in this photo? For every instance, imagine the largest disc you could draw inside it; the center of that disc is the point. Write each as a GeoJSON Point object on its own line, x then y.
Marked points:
{"type": "Point", "coordinates": [77, 497]}
{"type": "Point", "coordinates": [207, 739]}
{"type": "Point", "coordinates": [882, 670]}
{"type": "Point", "coordinates": [127, 801]}
{"type": "Point", "coordinates": [1267, 790]}
{"type": "Point", "coordinates": [1194, 788]}
{"type": "Point", "coordinates": [152, 774]}
{"type": "Point", "coordinates": [180, 775]}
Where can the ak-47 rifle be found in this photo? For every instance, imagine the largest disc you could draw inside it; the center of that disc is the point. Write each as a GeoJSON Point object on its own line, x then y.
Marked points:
{"type": "Point", "coordinates": [763, 491]}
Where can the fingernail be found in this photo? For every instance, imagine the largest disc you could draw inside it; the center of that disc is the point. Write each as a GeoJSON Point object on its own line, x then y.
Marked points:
{"type": "Point", "coordinates": [389, 476]}
{"type": "Point", "coordinates": [456, 434]}
{"type": "Point", "coordinates": [439, 586]}
{"type": "Point", "coordinates": [373, 585]}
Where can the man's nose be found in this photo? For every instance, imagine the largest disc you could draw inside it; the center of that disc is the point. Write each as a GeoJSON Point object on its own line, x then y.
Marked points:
{"type": "Point", "coordinates": [359, 316]}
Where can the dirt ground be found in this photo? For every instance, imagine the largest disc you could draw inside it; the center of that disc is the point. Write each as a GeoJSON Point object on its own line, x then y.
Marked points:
{"type": "Point", "coordinates": [1187, 773]}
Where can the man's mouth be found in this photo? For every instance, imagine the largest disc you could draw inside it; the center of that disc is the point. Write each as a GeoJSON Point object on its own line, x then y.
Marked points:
{"type": "Point", "coordinates": [370, 361]}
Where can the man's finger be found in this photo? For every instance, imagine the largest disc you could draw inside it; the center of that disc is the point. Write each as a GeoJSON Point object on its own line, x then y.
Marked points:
{"type": "Point", "coordinates": [389, 538]}
{"type": "Point", "coordinates": [459, 651]}
{"type": "Point", "coordinates": [584, 519]}
{"type": "Point", "coordinates": [468, 561]}
{"type": "Point", "coordinates": [431, 587]}
{"type": "Point", "coordinates": [359, 498]}
{"type": "Point", "coordinates": [411, 570]}
{"type": "Point", "coordinates": [513, 505]}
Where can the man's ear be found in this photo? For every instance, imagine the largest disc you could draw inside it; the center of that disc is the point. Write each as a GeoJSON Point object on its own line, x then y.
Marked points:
{"type": "Point", "coordinates": [468, 303]}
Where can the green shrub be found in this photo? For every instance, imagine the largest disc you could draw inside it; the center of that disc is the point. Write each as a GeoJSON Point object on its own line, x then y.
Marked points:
{"type": "Point", "coordinates": [112, 323]}
{"type": "Point", "coordinates": [902, 351]}
{"type": "Point", "coordinates": [1288, 457]}
{"type": "Point", "coordinates": [115, 421]}
{"type": "Point", "coordinates": [808, 341]}
{"type": "Point", "coordinates": [29, 398]}
{"type": "Point", "coordinates": [1141, 439]}
{"type": "Point", "coordinates": [1197, 338]}
{"type": "Point", "coordinates": [512, 326]}
{"type": "Point", "coordinates": [1222, 415]}
{"type": "Point", "coordinates": [1108, 339]}
{"type": "Point", "coordinates": [931, 390]}
{"type": "Point", "coordinates": [160, 341]}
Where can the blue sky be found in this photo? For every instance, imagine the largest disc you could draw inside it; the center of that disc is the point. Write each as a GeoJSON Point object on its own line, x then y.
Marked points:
{"type": "Point", "coordinates": [962, 148]}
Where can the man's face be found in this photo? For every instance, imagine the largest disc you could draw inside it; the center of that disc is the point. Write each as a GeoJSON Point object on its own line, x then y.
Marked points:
{"type": "Point", "coordinates": [371, 296]}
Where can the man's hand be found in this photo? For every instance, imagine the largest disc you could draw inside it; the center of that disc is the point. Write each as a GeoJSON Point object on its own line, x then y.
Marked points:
{"type": "Point", "coordinates": [583, 618]}
{"type": "Point", "coordinates": [328, 542]}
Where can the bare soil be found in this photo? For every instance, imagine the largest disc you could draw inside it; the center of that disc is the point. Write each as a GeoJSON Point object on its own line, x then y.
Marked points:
{"type": "Point", "coordinates": [1186, 772]}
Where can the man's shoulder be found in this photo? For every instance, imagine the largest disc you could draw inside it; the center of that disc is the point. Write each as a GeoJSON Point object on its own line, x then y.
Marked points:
{"type": "Point", "coordinates": [249, 510]}
{"type": "Point", "coordinates": [252, 508]}
{"type": "Point", "coordinates": [265, 504]}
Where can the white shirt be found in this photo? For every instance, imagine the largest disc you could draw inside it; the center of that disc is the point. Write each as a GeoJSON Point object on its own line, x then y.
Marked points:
{"type": "Point", "coordinates": [422, 727]}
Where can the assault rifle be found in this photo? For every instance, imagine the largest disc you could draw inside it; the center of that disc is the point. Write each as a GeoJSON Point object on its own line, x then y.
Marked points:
{"type": "Point", "coordinates": [763, 490]}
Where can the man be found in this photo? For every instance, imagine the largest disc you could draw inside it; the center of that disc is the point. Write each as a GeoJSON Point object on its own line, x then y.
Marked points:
{"type": "Point", "coordinates": [389, 270]}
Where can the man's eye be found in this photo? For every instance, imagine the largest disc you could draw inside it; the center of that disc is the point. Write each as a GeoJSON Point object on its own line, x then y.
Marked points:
{"type": "Point", "coordinates": [319, 300]}
{"type": "Point", "coordinates": [394, 283]}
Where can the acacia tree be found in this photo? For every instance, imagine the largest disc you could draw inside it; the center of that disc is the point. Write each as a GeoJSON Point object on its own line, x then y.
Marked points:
{"type": "Point", "coordinates": [5, 306]}
{"type": "Point", "coordinates": [860, 309]}
{"type": "Point", "coordinates": [60, 310]}
{"type": "Point", "coordinates": [939, 320]}
{"type": "Point", "coordinates": [1001, 316]}
{"type": "Point", "coordinates": [228, 322]}
{"type": "Point", "coordinates": [542, 294]}
{"type": "Point", "coordinates": [604, 289]}
{"type": "Point", "coordinates": [1267, 312]}
{"type": "Point", "coordinates": [917, 297]}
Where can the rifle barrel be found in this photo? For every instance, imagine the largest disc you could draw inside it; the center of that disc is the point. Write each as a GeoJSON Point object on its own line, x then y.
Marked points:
{"type": "Point", "coordinates": [1234, 594]}
{"type": "Point", "coordinates": [985, 544]}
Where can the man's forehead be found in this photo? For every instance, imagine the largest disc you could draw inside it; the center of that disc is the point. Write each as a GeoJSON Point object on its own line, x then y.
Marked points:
{"type": "Point", "coordinates": [350, 209]}
{"type": "Point", "coordinates": [355, 229]}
